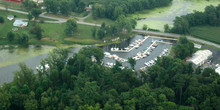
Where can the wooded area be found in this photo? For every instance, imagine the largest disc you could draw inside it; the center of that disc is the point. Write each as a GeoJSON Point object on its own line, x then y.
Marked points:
{"type": "Point", "coordinates": [112, 9]}
{"type": "Point", "coordinates": [85, 84]}
{"type": "Point", "coordinates": [211, 16]}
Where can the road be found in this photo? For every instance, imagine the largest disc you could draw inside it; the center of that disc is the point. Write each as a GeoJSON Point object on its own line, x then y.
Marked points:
{"type": "Point", "coordinates": [61, 20]}
{"type": "Point", "coordinates": [177, 36]}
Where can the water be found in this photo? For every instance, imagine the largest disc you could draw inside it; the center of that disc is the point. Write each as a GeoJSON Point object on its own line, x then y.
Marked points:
{"type": "Point", "coordinates": [6, 72]}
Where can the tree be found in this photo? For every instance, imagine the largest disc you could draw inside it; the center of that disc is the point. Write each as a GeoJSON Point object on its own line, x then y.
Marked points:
{"type": "Point", "coordinates": [23, 39]}
{"type": "Point", "coordinates": [166, 28]}
{"type": "Point", "coordinates": [71, 26]}
{"type": "Point", "coordinates": [184, 48]}
{"type": "Point", "coordinates": [29, 16]}
{"type": "Point", "coordinates": [132, 62]}
{"type": "Point", "coordinates": [101, 33]}
{"type": "Point", "coordinates": [37, 31]}
{"type": "Point", "coordinates": [65, 7]}
{"type": "Point", "coordinates": [36, 12]}
{"type": "Point", "coordinates": [24, 76]}
{"type": "Point", "coordinates": [10, 36]}
{"type": "Point", "coordinates": [1, 19]}
{"type": "Point", "coordinates": [145, 27]}
{"type": "Point", "coordinates": [94, 31]}
{"type": "Point", "coordinates": [5, 100]}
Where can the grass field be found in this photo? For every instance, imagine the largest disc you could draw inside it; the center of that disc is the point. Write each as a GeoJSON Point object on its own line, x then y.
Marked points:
{"type": "Point", "coordinates": [8, 25]}
{"type": "Point", "coordinates": [209, 33]}
{"type": "Point", "coordinates": [13, 5]}
{"type": "Point", "coordinates": [91, 19]}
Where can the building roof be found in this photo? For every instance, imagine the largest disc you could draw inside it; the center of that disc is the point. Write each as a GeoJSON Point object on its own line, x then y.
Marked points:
{"type": "Point", "coordinates": [18, 1]}
{"type": "Point", "coordinates": [217, 70]}
{"type": "Point", "coordinates": [200, 56]}
{"type": "Point", "coordinates": [20, 23]}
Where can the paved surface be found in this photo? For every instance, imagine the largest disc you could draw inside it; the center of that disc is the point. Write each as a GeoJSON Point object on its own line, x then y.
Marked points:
{"type": "Point", "coordinates": [177, 36]}
{"type": "Point", "coordinates": [61, 20]}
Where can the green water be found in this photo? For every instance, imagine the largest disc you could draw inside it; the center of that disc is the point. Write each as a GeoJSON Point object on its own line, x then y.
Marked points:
{"type": "Point", "coordinates": [158, 17]}
{"type": "Point", "coordinates": [13, 54]}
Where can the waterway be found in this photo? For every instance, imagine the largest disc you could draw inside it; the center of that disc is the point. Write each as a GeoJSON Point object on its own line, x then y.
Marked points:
{"type": "Point", "coordinates": [158, 17]}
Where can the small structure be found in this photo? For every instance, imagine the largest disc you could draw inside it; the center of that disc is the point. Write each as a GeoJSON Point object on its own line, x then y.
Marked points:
{"type": "Point", "coordinates": [197, 46]}
{"type": "Point", "coordinates": [17, 1]}
{"type": "Point", "coordinates": [20, 23]}
{"type": "Point", "coordinates": [200, 57]}
{"type": "Point", "coordinates": [217, 70]}
{"type": "Point", "coordinates": [39, 1]}
{"type": "Point", "coordinates": [10, 17]}
{"type": "Point", "coordinates": [89, 8]}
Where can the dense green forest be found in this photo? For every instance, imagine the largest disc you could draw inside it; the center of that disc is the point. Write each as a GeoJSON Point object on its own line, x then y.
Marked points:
{"type": "Point", "coordinates": [211, 16]}
{"type": "Point", "coordinates": [112, 9]}
{"type": "Point", "coordinates": [64, 6]}
{"type": "Point", "coordinates": [79, 83]}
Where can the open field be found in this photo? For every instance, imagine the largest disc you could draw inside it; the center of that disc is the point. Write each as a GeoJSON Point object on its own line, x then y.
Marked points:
{"type": "Point", "coordinates": [13, 5]}
{"type": "Point", "coordinates": [8, 25]}
{"type": "Point", "coordinates": [53, 33]}
{"type": "Point", "coordinates": [91, 19]}
{"type": "Point", "coordinates": [209, 33]}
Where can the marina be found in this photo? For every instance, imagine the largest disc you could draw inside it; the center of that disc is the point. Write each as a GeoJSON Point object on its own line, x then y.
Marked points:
{"type": "Point", "coordinates": [148, 51]}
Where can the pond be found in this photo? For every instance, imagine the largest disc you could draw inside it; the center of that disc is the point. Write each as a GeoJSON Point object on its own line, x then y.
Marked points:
{"type": "Point", "coordinates": [158, 17]}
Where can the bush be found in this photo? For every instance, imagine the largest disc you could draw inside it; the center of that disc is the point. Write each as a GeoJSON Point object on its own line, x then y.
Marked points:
{"type": "Point", "coordinates": [10, 36]}
{"type": "Point", "coordinates": [23, 40]}
{"type": "Point", "coordinates": [1, 19]}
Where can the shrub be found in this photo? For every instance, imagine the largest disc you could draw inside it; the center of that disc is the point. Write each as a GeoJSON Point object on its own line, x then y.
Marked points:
{"type": "Point", "coordinates": [10, 36]}
{"type": "Point", "coordinates": [1, 19]}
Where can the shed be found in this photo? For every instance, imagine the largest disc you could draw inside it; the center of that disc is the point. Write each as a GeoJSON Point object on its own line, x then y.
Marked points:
{"type": "Point", "coordinates": [20, 23]}
{"type": "Point", "coordinates": [10, 17]}
{"type": "Point", "coordinates": [200, 57]}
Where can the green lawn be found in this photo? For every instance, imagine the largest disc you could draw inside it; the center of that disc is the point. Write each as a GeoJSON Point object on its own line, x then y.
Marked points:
{"type": "Point", "coordinates": [209, 33]}
{"type": "Point", "coordinates": [91, 19]}
{"type": "Point", "coordinates": [13, 5]}
{"type": "Point", "coordinates": [8, 25]}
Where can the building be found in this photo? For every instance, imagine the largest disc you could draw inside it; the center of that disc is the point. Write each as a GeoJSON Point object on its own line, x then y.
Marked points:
{"type": "Point", "coordinates": [217, 70]}
{"type": "Point", "coordinates": [20, 23]}
{"type": "Point", "coordinates": [17, 1]}
{"type": "Point", "coordinates": [39, 1]}
{"type": "Point", "coordinates": [10, 17]}
{"type": "Point", "coordinates": [200, 57]}
{"type": "Point", "coordinates": [89, 8]}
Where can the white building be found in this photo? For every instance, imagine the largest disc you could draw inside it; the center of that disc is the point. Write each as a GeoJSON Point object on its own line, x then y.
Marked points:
{"type": "Point", "coordinates": [20, 23]}
{"type": "Point", "coordinates": [10, 17]}
{"type": "Point", "coordinates": [38, 1]}
{"type": "Point", "coordinates": [217, 70]}
{"type": "Point", "coordinates": [200, 57]}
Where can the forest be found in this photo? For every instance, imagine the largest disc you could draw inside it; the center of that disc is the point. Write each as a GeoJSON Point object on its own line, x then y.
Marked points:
{"type": "Point", "coordinates": [211, 16]}
{"type": "Point", "coordinates": [112, 9]}
{"type": "Point", "coordinates": [80, 83]}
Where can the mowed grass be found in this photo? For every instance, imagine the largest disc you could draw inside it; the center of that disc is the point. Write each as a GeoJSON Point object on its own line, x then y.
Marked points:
{"type": "Point", "coordinates": [56, 33]}
{"type": "Point", "coordinates": [8, 25]}
{"type": "Point", "coordinates": [209, 33]}
{"type": "Point", "coordinates": [13, 5]}
{"type": "Point", "coordinates": [96, 20]}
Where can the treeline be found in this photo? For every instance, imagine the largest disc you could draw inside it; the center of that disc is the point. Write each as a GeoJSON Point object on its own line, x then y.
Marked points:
{"type": "Point", "coordinates": [121, 26]}
{"type": "Point", "coordinates": [182, 25]}
{"type": "Point", "coordinates": [112, 9]}
{"type": "Point", "coordinates": [80, 83]}
{"type": "Point", "coordinates": [65, 7]}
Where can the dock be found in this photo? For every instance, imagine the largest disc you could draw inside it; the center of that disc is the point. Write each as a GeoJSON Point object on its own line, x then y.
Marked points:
{"type": "Point", "coordinates": [130, 49]}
